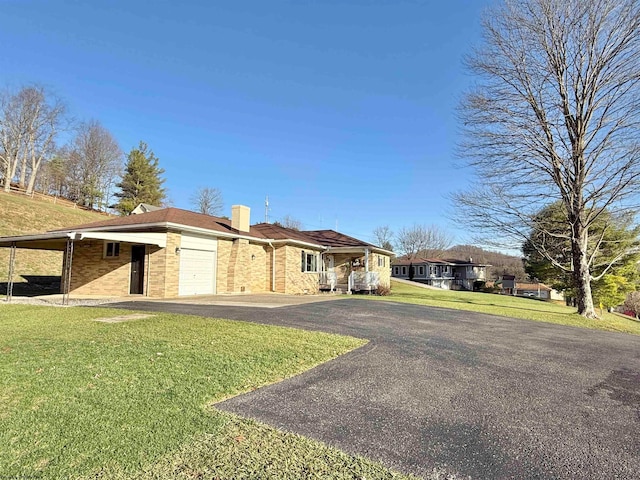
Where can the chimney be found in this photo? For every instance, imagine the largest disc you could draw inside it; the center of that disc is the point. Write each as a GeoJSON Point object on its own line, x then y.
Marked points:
{"type": "Point", "coordinates": [240, 218]}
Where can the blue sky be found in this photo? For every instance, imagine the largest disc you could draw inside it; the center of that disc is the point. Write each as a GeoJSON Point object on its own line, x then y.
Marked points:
{"type": "Point", "coordinates": [342, 112]}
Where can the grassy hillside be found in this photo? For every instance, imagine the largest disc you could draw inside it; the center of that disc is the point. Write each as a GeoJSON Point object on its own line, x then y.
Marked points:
{"type": "Point", "coordinates": [22, 215]}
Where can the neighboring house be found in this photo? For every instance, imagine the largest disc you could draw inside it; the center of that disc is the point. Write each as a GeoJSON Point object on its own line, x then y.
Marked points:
{"type": "Point", "coordinates": [172, 252]}
{"type": "Point", "coordinates": [509, 286]}
{"type": "Point", "coordinates": [442, 273]}
{"type": "Point", "coordinates": [144, 208]}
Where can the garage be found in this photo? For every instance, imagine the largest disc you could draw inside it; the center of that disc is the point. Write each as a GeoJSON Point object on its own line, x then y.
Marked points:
{"type": "Point", "coordinates": [197, 265]}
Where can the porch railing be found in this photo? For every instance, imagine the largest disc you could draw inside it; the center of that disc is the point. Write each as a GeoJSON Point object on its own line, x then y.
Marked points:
{"type": "Point", "coordinates": [328, 280]}
{"type": "Point", "coordinates": [363, 281]}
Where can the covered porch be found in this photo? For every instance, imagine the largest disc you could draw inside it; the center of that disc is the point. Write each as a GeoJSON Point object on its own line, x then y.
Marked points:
{"type": "Point", "coordinates": [349, 269]}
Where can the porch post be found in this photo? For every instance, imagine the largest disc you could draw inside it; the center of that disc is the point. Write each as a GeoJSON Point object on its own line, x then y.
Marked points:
{"type": "Point", "coordinates": [366, 260]}
{"type": "Point", "coordinates": [12, 264]}
{"type": "Point", "coordinates": [66, 273]}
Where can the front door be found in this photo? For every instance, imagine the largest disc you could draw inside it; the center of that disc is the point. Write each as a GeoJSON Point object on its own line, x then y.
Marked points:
{"type": "Point", "coordinates": [137, 270]}
{"type": "Point", "coordinates": [329, 264]}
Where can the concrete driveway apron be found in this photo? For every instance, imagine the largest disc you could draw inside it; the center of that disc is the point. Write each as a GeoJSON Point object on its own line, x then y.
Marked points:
{"type": "Point", "coordinates": [477, 395]}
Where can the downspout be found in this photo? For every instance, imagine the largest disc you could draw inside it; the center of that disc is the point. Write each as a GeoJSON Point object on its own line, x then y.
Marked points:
{"type": "Point", "coordinates": [273, 266]}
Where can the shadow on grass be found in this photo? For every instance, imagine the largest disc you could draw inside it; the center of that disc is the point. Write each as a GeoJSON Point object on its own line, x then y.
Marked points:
{"type": "Point", "coordinates": [33, 286]}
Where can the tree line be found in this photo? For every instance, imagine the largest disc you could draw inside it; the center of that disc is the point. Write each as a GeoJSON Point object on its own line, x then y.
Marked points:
{"type": "Point", "coordinates": [89, 168]}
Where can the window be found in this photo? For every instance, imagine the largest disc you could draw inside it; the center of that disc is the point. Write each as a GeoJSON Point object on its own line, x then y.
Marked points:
{"type": "Point", "coordinates": [420, 270]}
{"type": "Point", "coordinates": [381, 261]}
{"type": "Point", "coordinates": [111, 249]}
{"type": "Point", "coordinates": [396, 270]}
{"type": "Point", "coordinates": [309, 262]}
{"type": "Point", "coordinates": [446, 269]}
{"type": "Point", "coordinates": [404, 270]}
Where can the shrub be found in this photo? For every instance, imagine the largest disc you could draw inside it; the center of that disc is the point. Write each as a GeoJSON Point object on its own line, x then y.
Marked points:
{"type": "Point", "coordinates": [383, 290]}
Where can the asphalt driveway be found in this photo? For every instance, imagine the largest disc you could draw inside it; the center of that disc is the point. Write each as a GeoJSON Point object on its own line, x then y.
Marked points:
{"type": "Point", "coordinates": [481, 396]}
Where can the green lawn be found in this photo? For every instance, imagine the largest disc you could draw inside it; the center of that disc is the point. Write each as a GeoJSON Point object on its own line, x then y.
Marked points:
{"type": "Point", "coordinates": [504, 305]}
{"type": "Point", "coordinates": [80, 398]}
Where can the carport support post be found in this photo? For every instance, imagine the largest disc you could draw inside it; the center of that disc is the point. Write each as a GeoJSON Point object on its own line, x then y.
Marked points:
{"type": "Point", "coordinates": [12, 265]}
{"type": "Point", "coordinates": [66, 272]}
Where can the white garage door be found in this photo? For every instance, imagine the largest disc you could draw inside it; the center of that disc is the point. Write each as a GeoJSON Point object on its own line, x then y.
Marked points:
{"type": "Point", "coordinates": [197, 265]}
{"type": "Point", "coordinates": [197, 272]}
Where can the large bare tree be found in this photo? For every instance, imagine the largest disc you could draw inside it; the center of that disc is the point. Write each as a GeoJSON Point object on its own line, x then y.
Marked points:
{"type": "Point", "coordinates": [208, 200]}
{"type": "Point", "coordinates": [554, 117]}
{"type": "Point", "coordinates": [94, 164]}
{"type": "Point", "coordinates": [12, 134]}
{"type": "Point", "coordinates": [422, 240]}
{"type": "Point", "coordinates": [30, 120]}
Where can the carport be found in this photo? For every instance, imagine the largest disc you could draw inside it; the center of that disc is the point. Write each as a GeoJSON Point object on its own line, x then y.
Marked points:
{"type": "Point", "coordinates": [65, 242]}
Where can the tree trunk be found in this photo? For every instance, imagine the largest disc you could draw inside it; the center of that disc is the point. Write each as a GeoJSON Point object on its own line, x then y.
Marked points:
{"type": "Point", "coordinates": [581, 273]}
{"type": "Point", "coordinates": [22, 182]}
{"type": "Point", "coordinates": [7, 176]}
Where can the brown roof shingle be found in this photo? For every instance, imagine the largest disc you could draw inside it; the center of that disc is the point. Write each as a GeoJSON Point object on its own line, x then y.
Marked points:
{"type": "Point", "coordinates": [331, 238]}
{"type": "Point", "coordinates": [166, 215]}
{"type": "Point", "coordinates": [328, 238]}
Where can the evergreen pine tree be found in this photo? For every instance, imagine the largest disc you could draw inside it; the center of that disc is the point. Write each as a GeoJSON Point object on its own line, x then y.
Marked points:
{"type": "Point", "coordinates": [141, 182]}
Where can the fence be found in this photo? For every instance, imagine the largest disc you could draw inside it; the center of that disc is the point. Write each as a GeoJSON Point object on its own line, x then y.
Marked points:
{"type": "Point", "coordinates": [53, 199]}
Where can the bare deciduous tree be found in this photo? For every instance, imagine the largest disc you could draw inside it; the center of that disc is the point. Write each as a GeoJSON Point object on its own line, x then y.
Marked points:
{"type": "Point", "coordinates": [30, 120]}
{"type": "Point", "coordinates": [12, 133]}
{"type": "Point", "coordinates": [208, 200]}
{"type": "Point", "coordinates": [289, 222]}
{"type": "Point", "coordinates": [422, 240]}
{"type": "Point", "coordinates": [94, 164]}
{"type": "Point", "coordinates": [384, 237]}
{"type": "Point", "coordinates": [555, 116]}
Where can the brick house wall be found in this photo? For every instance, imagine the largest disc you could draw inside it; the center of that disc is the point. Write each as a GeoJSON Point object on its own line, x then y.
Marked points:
{"type": "Point", "coordinates": [383, 270]}
{"type": "Point", "coordinates": [294, 280]}
{"type": "Point", "coordinates": [243, 267]}
{"type": "Point", "coordinates": [259, 268]}
{"type": "Point", "coordinates": [222, 268]}
{"type": "Point", "coordinates": [92, 274]}
{"type": "Point", "coordinates": [164, 268]}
